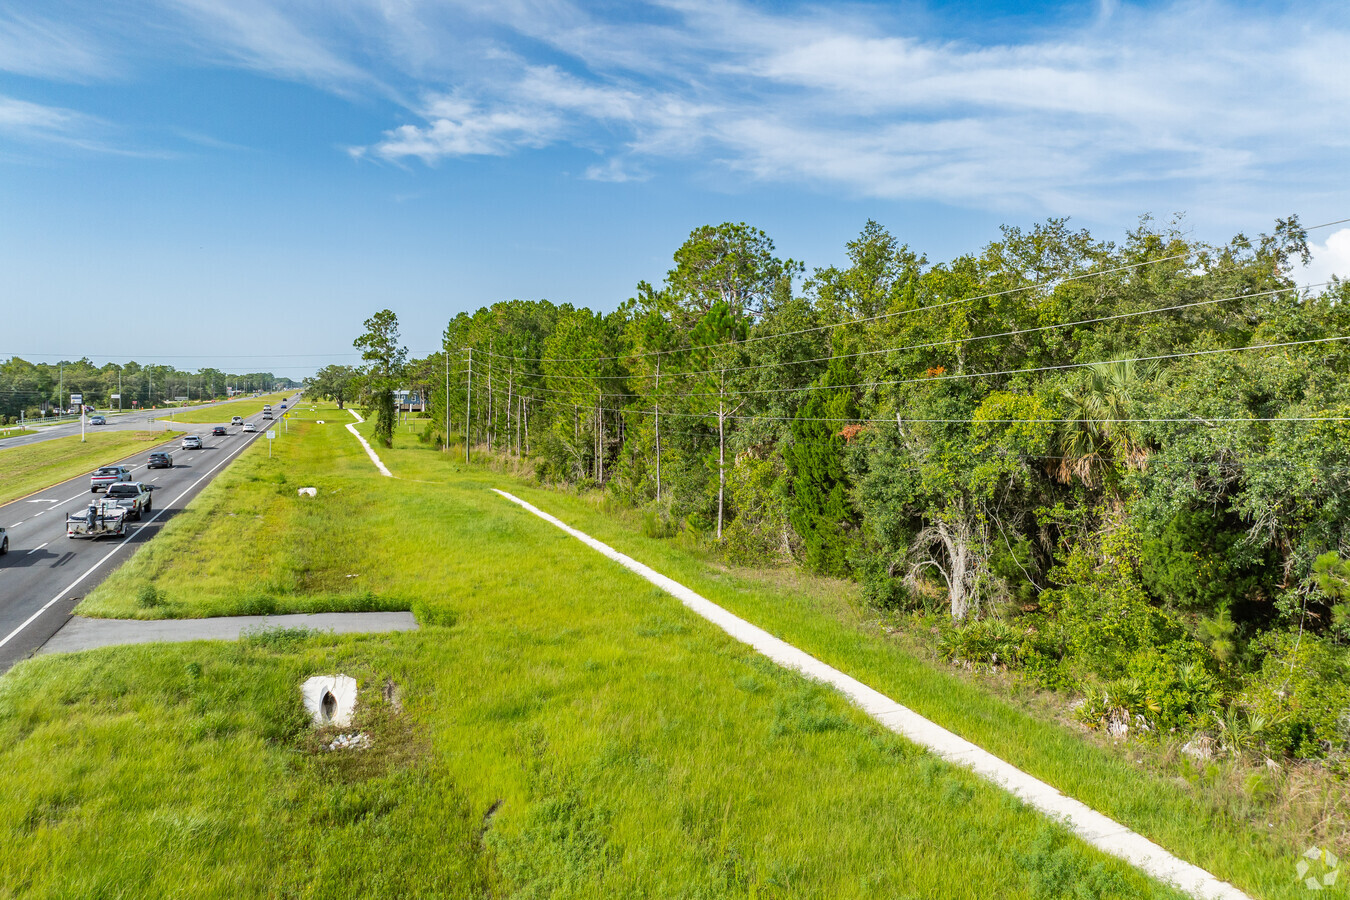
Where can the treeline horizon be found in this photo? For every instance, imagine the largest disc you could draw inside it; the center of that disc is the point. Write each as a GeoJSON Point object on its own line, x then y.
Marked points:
{"type": "Point", "coordinates": [29, 387]}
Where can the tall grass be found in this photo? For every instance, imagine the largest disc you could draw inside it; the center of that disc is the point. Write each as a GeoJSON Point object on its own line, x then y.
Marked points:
{"type": "Point", "coordinates": [558, 728]}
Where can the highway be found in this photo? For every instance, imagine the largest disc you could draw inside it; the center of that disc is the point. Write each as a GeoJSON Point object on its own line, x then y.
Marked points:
{"type": "Point", "coordinates": [45, 573]}
{"type": "Point", "coordinates": [127, 420]}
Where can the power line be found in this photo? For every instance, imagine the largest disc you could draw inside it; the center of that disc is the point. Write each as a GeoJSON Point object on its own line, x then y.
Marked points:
{"type": "Point", "coordinates": [924, 346]}
{"type": "Point", "coordinates": [497, 393]}
{"type": "Point", "coordinates": [1052, 283]}
{"type": "Point", "coordinates": [961, 376]}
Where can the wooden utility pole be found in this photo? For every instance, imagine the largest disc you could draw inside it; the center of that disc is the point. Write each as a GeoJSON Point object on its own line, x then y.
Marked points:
{"type": "Point", "coordinates": [721, 451]}
{"type": "Point", "coordinates": [468, 400]}
{"type": "Point", "coordinates": [658, 429]}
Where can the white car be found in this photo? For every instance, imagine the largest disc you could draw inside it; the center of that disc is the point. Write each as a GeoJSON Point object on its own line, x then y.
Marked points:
{"type": "Point", "coordinates": [192, 442]}
{"type": "Point", "coordinates": [250, 428]}
{"type": "Point", "coordinates": [237, 420]}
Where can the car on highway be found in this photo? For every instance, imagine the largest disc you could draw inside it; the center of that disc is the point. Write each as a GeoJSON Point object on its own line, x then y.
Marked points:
{"type": "Point", "coordinates": [107, 476]}
{"type": "Point", "coordinates": [250, 428]}
{"type": "Point", "coordinates": [159, 460]}
{"type": "Point", "coordinates": [267, 414]}
{"type": "Point", "coordinates": [97, 420]}
{"type": "Point", "coordinates": [283, 406]}
{"type": "Point", "coordinates": [237, 420]}
{"type": "Point", "coordinates": [133, 496]}
{"type": "Point", "coordinates": [219, 431]}
{"type": "Point", "coordinates": [191, 442]}
{"type": "Point", "coordinates": [4, 542]}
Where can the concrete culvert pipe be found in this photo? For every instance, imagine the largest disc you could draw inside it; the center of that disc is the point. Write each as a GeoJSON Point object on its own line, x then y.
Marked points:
{"type": "Point", "coordinates": [330, 699]}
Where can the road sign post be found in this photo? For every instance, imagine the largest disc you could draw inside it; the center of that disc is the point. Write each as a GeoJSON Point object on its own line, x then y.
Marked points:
{"type": "Point", "coordinates": [78, 400]}
{"type": "Point", "coordinates": [271, 436]}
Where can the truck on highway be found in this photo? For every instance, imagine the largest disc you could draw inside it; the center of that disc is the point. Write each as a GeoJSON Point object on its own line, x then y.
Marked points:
{"type": "Point", "coordinates": [133, 496]}
{"type": "Point", "coordinates": [108, 475]}
{"type": "Point", "coordinates": [98, 520]}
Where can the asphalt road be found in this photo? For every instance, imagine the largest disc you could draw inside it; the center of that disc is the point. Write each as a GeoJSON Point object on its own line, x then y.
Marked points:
{"type": "Point", "coordinates": [128, 420]}
{"type": "Point", "coordinates": [45, 573]}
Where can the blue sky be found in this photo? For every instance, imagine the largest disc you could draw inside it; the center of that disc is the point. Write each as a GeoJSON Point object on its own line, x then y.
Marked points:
{"type": "Point", "coordinates": [241, 183]}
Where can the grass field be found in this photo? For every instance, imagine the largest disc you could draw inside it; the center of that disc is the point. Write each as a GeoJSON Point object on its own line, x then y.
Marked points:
{"type": "Point", "coordinates": [212, 415]}
{"type": "Point", "coordinates": [403, 541]}
{"type": "Point", "coordinates": [33, 467]}
{"type": "Point", "coordinates": [558, 728]}
{"type": "Point", "coordinates": [10, 431]}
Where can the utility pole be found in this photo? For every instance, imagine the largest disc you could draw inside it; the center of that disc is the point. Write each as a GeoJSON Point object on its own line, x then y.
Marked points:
{"type": "Point", "coordinates": [468, 399]}
{"type": "Point", "coordinates": [658, 429]}
{"type": "Point", "coordinates": [447, 396]}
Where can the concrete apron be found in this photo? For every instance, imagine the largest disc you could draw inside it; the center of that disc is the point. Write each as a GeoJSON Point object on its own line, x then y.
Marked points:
{"type": "Point", "coordinates": [81, 633]}
{"type": "Point", "coordinates": [1098, 830]}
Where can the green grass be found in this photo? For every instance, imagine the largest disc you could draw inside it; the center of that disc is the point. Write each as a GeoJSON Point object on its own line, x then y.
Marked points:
{"type": "Point", "coordinates": [1220, 832]}
{"type": "Point", "coordinates": [15, 431]}
{"type": "Point", "coordinates": [223, 412]}
{"type": "Point", "coordinates": [567, 730]}
{"type": "Point", "coordinates": [33, 467]}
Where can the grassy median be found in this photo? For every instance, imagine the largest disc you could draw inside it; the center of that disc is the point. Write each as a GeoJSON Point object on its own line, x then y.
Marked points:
{"type": "Point", "coordinates": [558, 728]}
{"type": "Point", "coordinates": [33, 467]}
{"type": "Point", "coordinates": [223, 412]}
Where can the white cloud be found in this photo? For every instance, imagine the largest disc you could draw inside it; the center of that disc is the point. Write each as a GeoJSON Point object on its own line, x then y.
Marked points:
{"type": "Point", "coordinates": [1129, 107]}
{"type": "Point", "coordinates": [1328, 259]}
{"type": "Point", "coordinates": [33, 46]}
{"type": "Point", "coordinates": [1136, 108]}
{"type": "Point", "coordinates": [459, 127]}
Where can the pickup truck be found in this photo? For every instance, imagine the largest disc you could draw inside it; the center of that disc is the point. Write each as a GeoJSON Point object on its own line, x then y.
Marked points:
{"type": "Point", "coordinates": [133, 496]}
{"type": "Point", "coordinates": [108, 475]}
{"type": "Point", "coordinates": [97, 521]}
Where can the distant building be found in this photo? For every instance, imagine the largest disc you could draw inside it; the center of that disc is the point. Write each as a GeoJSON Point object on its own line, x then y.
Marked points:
{"type": "Point", "coordinates": [410, 401]}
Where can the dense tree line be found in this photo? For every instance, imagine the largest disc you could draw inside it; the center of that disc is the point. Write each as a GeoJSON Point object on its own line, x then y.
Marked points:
{"type": "Point", "coordinates": [1123, 468]}
{"type": "Point", "coordinates": [29, 388]}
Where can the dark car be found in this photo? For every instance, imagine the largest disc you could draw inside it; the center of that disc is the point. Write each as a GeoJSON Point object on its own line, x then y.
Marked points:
{"type": "Point", "coordinates": [159, 461]}
{"type": "Point", "coordinates": [219, 430]}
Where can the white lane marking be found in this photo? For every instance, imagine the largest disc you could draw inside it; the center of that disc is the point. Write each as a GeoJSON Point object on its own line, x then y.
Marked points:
{"type": "Point", "coordinates": [37, 548]}
{"type": "Point", "coordinates": [36, 514]}
{"type": "Point", "coordinates": [1090, 825]}
{"type": "Point", "coordinates": [120, 544]}
{"type": "Point", "coordinates": [43, 501]}
{"type": "Point", "coordinates": [16, 525]}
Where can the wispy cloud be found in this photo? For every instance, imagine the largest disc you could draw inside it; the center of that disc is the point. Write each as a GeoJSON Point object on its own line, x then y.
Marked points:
{"type": "Point", "coordinates": [1133, 106]}
{"type": "Point", "coordinates": [1128, 107]}
{"type": "Point", "coordinates": [62, 51]}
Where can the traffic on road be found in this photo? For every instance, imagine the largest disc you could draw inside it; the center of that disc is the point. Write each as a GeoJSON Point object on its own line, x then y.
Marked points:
{"type": "Point", "coordinates": [64, 540]}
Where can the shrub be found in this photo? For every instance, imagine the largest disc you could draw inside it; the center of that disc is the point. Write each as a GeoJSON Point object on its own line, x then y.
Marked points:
{"type": "Point", "coordinates": [980, 644]}
{"type": "Point", "coordinates": [150, 597]}
{"type": "Point", "coordinates": [1302, 692]}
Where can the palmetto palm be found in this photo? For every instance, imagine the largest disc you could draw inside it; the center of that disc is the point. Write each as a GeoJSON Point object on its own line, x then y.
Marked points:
{"type": "Point", "coordinates": [1099, 427]}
